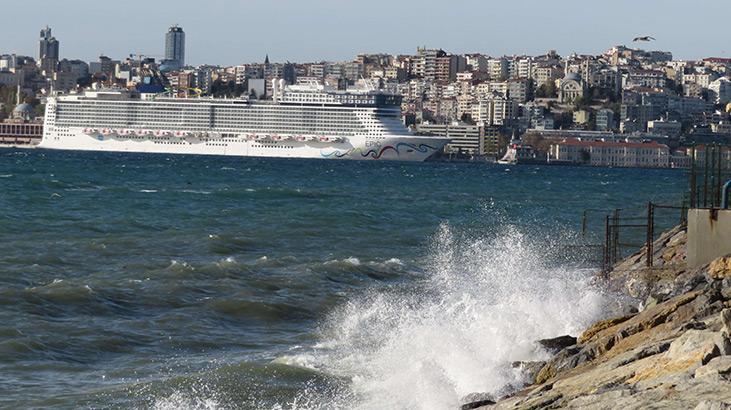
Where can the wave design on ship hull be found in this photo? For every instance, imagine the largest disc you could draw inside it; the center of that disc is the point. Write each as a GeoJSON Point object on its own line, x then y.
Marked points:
{"type": "Point", "coordinates": [377, 153]}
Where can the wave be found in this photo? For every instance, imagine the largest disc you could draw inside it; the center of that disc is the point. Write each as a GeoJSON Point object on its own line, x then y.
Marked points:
{"type": "Point", "coordinates": [484, 303]}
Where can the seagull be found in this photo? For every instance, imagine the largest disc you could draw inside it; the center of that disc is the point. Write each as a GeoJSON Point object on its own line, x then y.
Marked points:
{"type": "Point", "coordinates": [643, 38]}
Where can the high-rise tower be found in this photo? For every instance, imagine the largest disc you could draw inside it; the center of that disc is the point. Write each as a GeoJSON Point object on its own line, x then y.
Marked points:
{"type": "Point", "coordinates": [48, 52]}
{"type": "Point", "coordinates": [175, 47]}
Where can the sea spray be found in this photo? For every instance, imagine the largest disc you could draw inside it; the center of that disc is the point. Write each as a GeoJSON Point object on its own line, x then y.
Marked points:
{"type": "Point", "coordinates": [483, 304]}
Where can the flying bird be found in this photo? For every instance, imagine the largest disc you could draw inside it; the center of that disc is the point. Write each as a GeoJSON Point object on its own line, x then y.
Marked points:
{"type": "Point", "coordinates": [643, 38]}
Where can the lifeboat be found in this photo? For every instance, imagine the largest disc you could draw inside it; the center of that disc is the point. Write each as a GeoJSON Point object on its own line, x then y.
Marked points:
{"type": "Point", "coordinates": [125, 132]}
{"type": "Point", "coordinates": [90, 131]}
{"type": "Point", "coordinates": [181, 133]}
{"type": "Point", "coordinates": [261, 137]}
{"type": "Point", "coordinates": [145, 132]}
{"type": "Point", "coordinates": [107, 131]}
{"type": "Point", "coordinates": [276, 137]}
{"type": "Point", "coordinates": [310, 138]}
{"type": "Point", "coordinates": [162, 133]}
{"type": "Point", "coordinates": [324, 139]}
{"type": "Point", "coordinates": [300, 138]}
{"type": "Point", "coordinates": [250, 137]}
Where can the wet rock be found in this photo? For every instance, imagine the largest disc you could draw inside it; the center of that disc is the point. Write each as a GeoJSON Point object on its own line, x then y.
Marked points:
{"type": "Point", "coordinates": [555, 344]}
{"type": "Point", "coordinates": [529, 369]}
{"type": "Point", "coordinates": [601, 325]}
{"type": "Point", "coordinates": [675, 353]}
{"type": "Point", "coordinates": [477, 400]}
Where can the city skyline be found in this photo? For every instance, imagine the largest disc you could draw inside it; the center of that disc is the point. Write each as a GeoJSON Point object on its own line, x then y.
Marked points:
{"type": "Point", "coordinates": [290, 31]}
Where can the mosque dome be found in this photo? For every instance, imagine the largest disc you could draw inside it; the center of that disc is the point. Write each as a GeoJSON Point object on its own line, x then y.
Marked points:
{"type": "Point", "coordinates": [23, 111]}
{"type": "Point", "coordinates": [572, 76]}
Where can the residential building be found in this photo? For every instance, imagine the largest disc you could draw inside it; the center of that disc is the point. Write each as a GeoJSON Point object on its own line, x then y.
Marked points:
{"type": "Point", "coordinates": [466, 139]}
{"type": "Point", "coordinates": [720, 91]}
{"type": "Point", "coordinates": [605, 120]}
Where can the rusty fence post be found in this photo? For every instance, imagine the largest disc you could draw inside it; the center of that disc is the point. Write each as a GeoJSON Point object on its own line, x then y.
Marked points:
{"type": "Point", "coordinates": [650, 233]}
{"type": "Point", "coordinates": [606, 265]}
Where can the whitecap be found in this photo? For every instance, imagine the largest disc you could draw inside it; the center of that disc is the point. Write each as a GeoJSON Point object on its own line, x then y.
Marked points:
{"type": "Point", "coordinates": [196, 191]}
{"type": "Point", "coordinates": [148, 190]}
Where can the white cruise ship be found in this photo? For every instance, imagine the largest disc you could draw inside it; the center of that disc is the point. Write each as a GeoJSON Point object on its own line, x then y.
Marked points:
{"type": "Point", "coordinates": [302, 121]}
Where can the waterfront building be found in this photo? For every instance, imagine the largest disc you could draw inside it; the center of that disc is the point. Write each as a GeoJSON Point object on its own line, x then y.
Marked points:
{"type": "Point", "coordinates": [611, 153]}
{"type": "Point", "coordinates": [21, 128]}
{"type": "Point", "coordinates": [664, 127]}
{"type": "Point", "coordinates": [465, 139]}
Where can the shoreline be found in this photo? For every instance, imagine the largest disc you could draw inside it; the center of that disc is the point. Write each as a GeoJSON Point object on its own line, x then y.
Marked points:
{"type": "Point", "coordinates": [674, 351]}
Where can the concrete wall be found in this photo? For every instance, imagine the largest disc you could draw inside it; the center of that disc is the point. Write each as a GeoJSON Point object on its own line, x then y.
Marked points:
{"type": "Point", "coordinates": [709, 235]}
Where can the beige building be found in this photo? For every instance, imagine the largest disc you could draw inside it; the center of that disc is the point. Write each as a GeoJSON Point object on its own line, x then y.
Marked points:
{"type": "Point", "coordinates": [571, 88]}
{"type": "Point", "coordinates": [611, 154]}
{"type": "Point", "coordinates": [466, 139]}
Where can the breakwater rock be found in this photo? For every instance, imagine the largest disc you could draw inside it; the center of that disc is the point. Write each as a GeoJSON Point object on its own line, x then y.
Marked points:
{"type": "Point", "coordinates": [675, 352]}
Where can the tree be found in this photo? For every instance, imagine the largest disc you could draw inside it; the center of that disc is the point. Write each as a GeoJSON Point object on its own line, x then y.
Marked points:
{"type": "Point", "coordinates": [585, 156]}
{"type": "Point", "coordinates": [547, 90]}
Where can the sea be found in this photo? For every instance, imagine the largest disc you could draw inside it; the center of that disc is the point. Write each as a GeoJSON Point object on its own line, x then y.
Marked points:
{"type": "Point", "coordinates": [194, 282]}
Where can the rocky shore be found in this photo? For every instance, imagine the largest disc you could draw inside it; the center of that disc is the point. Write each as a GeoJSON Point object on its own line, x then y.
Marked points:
{"type": "Point", "coordinates": [672, 351]}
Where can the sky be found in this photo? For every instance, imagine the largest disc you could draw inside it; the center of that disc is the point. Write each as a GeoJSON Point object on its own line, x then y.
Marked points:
{"type": "Point", "coordinates": [228, 32]}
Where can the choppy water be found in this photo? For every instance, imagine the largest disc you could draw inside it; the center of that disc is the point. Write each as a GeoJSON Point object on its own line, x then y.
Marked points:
{"type": "Point", "coordinates": [205, 282]}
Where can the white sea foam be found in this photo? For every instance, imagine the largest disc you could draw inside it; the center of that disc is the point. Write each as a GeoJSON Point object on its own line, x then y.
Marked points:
{"type": "Point", "coordinates": [484, 304]}
{"type": "Point", "coordinates": [148, 190]}
{"type": "Point", "coordinates": [179, 400]}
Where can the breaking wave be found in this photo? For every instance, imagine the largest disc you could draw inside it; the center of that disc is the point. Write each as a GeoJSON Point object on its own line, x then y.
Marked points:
{"type": "Point", "coordinates": [483, 304]}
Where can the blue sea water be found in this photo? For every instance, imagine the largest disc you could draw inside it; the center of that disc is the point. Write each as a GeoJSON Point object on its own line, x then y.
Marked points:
{"type": "Point", "coordinates": [155, 281]}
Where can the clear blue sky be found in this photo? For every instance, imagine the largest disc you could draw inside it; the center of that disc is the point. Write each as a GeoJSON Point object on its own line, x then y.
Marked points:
{"type": "Point", "coordinates": [235, 31]}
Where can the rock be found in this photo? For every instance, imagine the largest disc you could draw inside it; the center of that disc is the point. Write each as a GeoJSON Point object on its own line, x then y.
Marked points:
{"type": "Point", "coordinates": [720, 268]}
{"type": "Point", "coordinates": [556, 344]}
{"type": "Point", "coordinates": [476, 400]}
{"type": "Point", "coordinates": [652, 300]}
{"type": "Point", "coordinates": [712, 405]}
{"type": "Point", "coordinates": [601, 325]}
{"type": "Point", "coordinates": [529, 369]}
{"type": "Point", "coordinates": [694, 345]}
{"type": "Point", "coordinates": [726, 321]}
{"type": "Point", "coordinates": [566, 359]}
{"type": "Point", "coordinates": [720, 365]}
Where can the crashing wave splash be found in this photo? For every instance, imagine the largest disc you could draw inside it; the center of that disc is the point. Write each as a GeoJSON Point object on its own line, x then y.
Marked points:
{"type": "Point", "coordinates": [483, 305]}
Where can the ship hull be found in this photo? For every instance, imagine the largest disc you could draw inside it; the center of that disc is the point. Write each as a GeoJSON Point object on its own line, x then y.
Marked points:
{"type": "Point", "coordinates": [397, 148]}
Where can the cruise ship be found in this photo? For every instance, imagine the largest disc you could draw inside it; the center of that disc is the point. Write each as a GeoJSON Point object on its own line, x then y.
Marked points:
{"type": "Point", "coordinates": [301, 121]}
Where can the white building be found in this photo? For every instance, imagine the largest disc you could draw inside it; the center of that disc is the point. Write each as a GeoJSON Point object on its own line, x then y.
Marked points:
{"type": "Point", "coordinates": [611, 154]}
{"type": "Point", "coordinates": [721, 89]}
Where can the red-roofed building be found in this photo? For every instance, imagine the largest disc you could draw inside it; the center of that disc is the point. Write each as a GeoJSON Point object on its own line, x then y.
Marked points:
{"type": "Point", "coordinates": [611, 154]}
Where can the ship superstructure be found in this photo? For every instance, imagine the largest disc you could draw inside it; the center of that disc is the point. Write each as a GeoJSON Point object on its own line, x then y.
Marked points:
{"type": "Point", "coordinates": [302, 121]}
